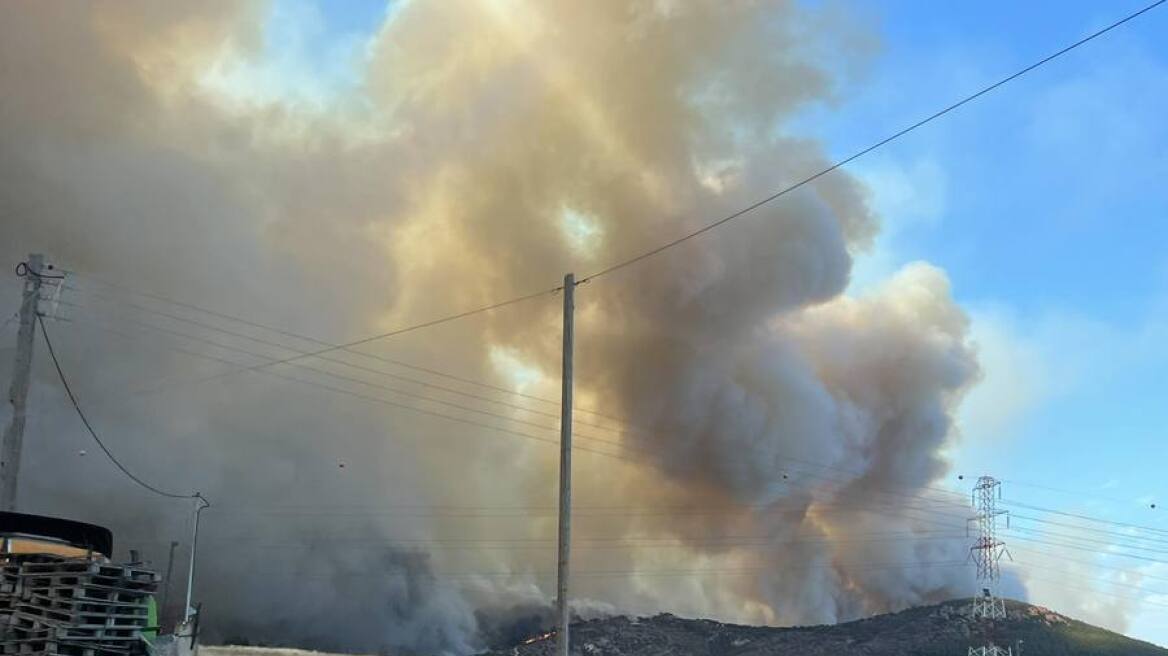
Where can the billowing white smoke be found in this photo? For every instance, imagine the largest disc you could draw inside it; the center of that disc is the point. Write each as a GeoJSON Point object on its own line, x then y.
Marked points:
{"type": "Point", "coordinates": [487, 148]}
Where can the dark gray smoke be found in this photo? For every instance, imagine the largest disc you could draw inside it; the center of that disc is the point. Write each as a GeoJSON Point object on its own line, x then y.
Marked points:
{"type": "Point", "coordinates": [487, 148]}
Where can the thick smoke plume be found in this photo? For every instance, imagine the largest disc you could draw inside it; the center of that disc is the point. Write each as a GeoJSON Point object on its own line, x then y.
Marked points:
{"type": "Point", "coordinates": [767, 440]}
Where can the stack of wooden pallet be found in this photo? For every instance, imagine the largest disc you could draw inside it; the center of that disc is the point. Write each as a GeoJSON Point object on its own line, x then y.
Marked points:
{"type": "Point", "coordinates": [56, 606]}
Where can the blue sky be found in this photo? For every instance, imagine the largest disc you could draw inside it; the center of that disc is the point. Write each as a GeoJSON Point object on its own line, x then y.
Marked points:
{"type": "Point", "coordinates": [1045, 202]}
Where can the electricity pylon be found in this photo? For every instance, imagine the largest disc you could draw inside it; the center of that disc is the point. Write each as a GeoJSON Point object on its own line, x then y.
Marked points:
{"type": "Point", "coordinates": [987, 552]}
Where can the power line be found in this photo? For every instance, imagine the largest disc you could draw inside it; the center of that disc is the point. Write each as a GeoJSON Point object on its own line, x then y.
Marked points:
{"type": "Point", "coordinates": [623, 427]}
{"type": "Point", "coordinates": [711, 226]}
{"type": "Point", "coordinates": [618, 444]}
{"type": "Point", "coordinates": [1099, 531]}
{"type": "Point", "coordinates": [625, 573]}
{"type": "Point", "coordinates": [527, 512]}
{"type": "Point", "coordinates": [599, 543]}
{"type": "Point", "coordinates": [93, 433]}
{"type": "Point", "coordinates": [865, 151]}
{"type": "Point", "coordinates": [1086, 517]}
{"type": "Point", "coordinates": [1066, 572]}
{"type": "Point", "coordinates": [320, 342]}
{"type": "Point", "coordinates": [937, 502]}
{"type": "Point", "coordinates": [622, 446]}
{"type": "Point", "coordinates": [700, 231]}
{"type": "Point", "coordinates": [379, 372]}
{"type": "Point", "coordinates": [1078, 547]}
{"type": "Point", "coordinates": [1087, 563]}
{"type": "Point", "coordinates": [338, 390]}
{"type": "Point", "coordinates": [1082, 540]}
{"type": "Point", "coordinates": [359, 381]}
{"type": "Point", "coordinates": [726, 541]}
{"type": "Point", "coordinates": [387, 402]}
{"type": "Point", "coordinates": [1062, 583]}
{"type": "Point", "coordinates": [916, 498]}
{"type": "Point", "coordinates": [391, 333]}
{"type": "Point", "coordinates": [1078, 495]}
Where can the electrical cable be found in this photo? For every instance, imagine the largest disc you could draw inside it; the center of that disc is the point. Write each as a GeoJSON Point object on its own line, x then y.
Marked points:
{"type": "Point", "coordinates": [1078, 577]}
{"type": "Point", "coordinates": [841, 163]}
{"type": "Point", "coordinates": [618, 444]}
{"type": "Point", "coordinates": [1078, 547]}
{"type": "Point", "coordinates": [520, 512]}
{"type": "Point", "coordinates": [1088, 518]}
{"type": "Point", "coordinates": [670, 244]}
{"type": "Point", "coordinates": [1062, 583]}
{"type": "Point", "coordinates": [1087, 563]}
{"type": "Point", "coordinates": [600, 543]}
{"type": "Point", "coordinates": [623, 428]}
{"type": "Point", "coordinates": [625, 573]}
{"type": "Point", "coordinates": [391, 333]}
{"type": "Point", "coordinates": [1082, 540]}
{"type": "Point", "coordinates": [1071, 493]}
{"type": "Point", "coordinates": [1097, 531]}
{"type": "Point", "coordinates": [936, 502]}
{"type": "Point", "coordinates": [387, 402]}
{"type": "Point", "coordinates": [89, 427]}
{"type": "Point", "coordinates": [319, 342]}
{"type": "Point", "coordinates": [622, 446]}
{"type": "Point", "coordinates": [236, 349]}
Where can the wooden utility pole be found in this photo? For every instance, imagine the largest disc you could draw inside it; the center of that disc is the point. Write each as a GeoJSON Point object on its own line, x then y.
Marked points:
{"type": "Point", "coordinates": [565, 537]}
{"type": "Point", "coordinates": [18, 391]}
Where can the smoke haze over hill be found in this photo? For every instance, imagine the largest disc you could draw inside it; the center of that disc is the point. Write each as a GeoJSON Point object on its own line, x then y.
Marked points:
{"type": "Point", "coordinates": [756, 419]}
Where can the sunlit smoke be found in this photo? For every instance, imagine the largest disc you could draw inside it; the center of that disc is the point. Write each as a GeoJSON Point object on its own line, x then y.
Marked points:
{"type": "Point", "coordinates": [756, 445]}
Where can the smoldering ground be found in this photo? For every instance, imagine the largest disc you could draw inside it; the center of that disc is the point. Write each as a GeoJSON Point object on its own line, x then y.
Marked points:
{"type": "Point", "coordinates": [481, 150]}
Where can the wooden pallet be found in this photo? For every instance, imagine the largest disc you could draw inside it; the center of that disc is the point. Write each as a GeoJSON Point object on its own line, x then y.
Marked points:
{"type": "Point", "coordinates": [91, 594]}
{"type": "Point", "coordinates": [118, 609]}
{"type": "Point", "coordinates": [87, 614]}
{"type": "Point", "coordinates": [139, 607]}
{"type": "Point", "coordinates": [55, 606]}
{"type": "Point", "coordinates": [87, 580]}
{"type": "Point", "coordinates": [55, 616]}
{"type": "Point", "coordinates": [42, 646]}
{"type": "Point", "coordinates": [126, 573]}
{"type": "Point", "coordinates": [96, 638]}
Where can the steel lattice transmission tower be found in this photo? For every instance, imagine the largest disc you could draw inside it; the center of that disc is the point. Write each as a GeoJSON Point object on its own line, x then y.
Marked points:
{"type": "Point", "coordinates": [987, 552]}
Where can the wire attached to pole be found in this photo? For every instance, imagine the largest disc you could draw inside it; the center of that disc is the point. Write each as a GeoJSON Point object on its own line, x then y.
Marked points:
{"type": "Point", "coordinates": [89, 427]}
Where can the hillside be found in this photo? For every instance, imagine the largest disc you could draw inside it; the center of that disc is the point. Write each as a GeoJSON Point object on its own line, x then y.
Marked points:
{"type": "Point", "coordinates": [941, 630]}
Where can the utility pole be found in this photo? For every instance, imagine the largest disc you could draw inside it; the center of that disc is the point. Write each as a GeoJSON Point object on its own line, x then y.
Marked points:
{"type": "Point", "coordinates": [189, 610]}
{"type": "Point", "coordinates": [18, 391]}
{"type": "Point", "coordinates": [987, 551]}
{"type": "Point", "coordinates": [565, 536]}
{"type": "Point", "coordinates": [166, 581]}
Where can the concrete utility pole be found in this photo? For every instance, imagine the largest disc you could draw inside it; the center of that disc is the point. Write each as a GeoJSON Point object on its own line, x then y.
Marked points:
{"type": "Point", "coordinates": [565, 471]}
{"type": "Point", "coordinates": [18, 391]}
{"type": "Point", "coordinates": [166, 581]}
{"type": "Point", "coordinates": [200, 505]}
